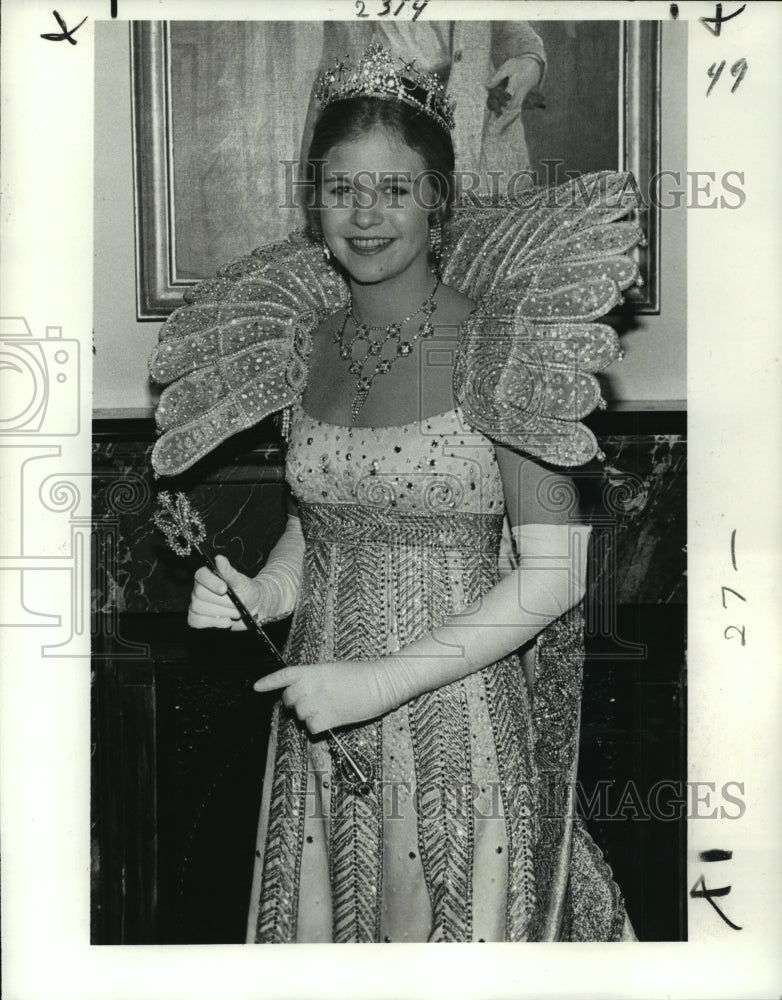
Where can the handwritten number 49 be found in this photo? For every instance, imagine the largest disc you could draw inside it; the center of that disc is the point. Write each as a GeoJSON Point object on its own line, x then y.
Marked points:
{"type": "Point", "coordinates": [738, 69]}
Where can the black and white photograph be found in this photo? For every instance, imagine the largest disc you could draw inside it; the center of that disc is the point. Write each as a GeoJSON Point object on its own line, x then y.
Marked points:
{"type": "Point", "coordinates": [378, 462]}
{"type": "Point", "coordinates": [348, 464]}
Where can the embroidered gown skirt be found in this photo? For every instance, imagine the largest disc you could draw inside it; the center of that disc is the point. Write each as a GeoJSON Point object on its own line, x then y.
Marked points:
{"type": "Point", "coordinates": [464, 829]}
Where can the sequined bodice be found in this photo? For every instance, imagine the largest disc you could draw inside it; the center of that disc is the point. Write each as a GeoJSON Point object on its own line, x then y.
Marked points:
{"type": "Point", "coordinates": [437, 464]}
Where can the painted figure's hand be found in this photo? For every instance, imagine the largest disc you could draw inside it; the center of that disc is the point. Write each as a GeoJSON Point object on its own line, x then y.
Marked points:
{"type": "Point", "coordinates": [522, 73]}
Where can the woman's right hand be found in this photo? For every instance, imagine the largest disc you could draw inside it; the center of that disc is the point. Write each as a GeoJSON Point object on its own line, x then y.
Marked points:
{"type": "Point", "coordinates": [210, 606]}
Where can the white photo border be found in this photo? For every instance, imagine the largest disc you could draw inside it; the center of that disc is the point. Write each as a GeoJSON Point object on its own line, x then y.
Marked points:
{"type": "Point", "coordinates": [734, 692]}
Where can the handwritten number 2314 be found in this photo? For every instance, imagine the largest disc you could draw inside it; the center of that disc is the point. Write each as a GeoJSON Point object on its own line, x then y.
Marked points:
{"type": "Point", "coordinates": [418, 7]}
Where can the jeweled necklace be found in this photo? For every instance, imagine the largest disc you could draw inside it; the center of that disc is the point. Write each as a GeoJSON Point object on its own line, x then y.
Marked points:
{"type": "Point", "coordinates": [389, 332]}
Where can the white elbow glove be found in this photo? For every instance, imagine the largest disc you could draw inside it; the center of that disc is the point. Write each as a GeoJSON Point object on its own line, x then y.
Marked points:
{"type": "Point", "coordinates": [269, 596]}
{"type": "Point", "coordinates": [552, 569]}
{"type": "Point", "coordinates": [278, 582]}
{"type": "Point", "coordinates": [550, 579]}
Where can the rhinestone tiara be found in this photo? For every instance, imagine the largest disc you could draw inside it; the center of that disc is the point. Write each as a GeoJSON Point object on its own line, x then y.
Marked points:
{"type": "Point", "coordinates": [376, 75]}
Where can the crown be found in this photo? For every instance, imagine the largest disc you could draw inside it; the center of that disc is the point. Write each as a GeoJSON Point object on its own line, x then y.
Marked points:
{"type": "Point", "coordinates": [376, 75]}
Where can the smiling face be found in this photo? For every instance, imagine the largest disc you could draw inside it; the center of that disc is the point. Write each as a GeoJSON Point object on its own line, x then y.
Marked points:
{"type": "Point", "coordinates": [377, 202]}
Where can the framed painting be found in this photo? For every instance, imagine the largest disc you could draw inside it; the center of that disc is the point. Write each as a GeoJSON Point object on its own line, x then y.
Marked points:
{"type": "Point", "coordinates": [218, 122]}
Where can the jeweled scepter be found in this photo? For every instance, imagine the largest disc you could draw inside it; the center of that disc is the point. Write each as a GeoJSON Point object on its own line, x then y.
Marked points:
{"type": "Point", "coordinates": [185, 531]}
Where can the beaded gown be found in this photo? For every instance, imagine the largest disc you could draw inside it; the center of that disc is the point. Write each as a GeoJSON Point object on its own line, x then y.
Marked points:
{"type": "Point", "coordinates": [402, 528]}
{"type": "Point", "coordinates": [465, 830]}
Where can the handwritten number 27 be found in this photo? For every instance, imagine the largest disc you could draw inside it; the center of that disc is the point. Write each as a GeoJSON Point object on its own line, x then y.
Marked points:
{"type": "Point", "coordinates": [738, 69]}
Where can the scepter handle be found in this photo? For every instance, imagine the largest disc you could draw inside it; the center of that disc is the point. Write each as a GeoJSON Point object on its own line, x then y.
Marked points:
{"type": "Point", "coordinates": [244, 613]}
{"type": "Point", "coordinates": [254, 626]}
{"type": "Point", "coordinates": [252, 623]}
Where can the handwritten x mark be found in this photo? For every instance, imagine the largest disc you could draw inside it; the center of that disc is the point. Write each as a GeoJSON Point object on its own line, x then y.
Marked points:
{"type": "Point", "coordinates": [66, 35]}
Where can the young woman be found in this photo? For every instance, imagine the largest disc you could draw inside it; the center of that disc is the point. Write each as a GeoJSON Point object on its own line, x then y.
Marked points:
{"type": "Point", "coordinates": [420, 774]}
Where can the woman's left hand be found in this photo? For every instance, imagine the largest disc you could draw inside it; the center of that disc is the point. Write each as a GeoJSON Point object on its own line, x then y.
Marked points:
{"type": "Point", "coordinates": [327, 695]}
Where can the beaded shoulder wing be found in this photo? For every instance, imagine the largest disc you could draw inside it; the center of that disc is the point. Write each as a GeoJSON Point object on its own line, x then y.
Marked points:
{"type": "Point", "coordinates": [542, 271]}
{"type": "Point", "coordinates": [238, 350]}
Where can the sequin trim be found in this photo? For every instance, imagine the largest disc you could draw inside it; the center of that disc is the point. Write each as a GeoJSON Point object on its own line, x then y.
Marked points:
{"type": "Point", "coordinates": [361, 612]}
{"type": "Point", "coordinates": [595, 910]}
{"type": "Point", "coordinates": [439, 728]}
{"type": "Point", "coordinates": [556, 714]}
{"type": "Point", "coordinates": [351, 524]}
{"type": "Point", "coordinates": [509, 718]}
{"type": "Point", "coordinates": [356, 822]}
{"type": "Point", "coordinates": [356, 847]}
{"type": "Point", "coordinates": [441, 751]}
{"type": "Point", "coordinates": [279, 902]}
